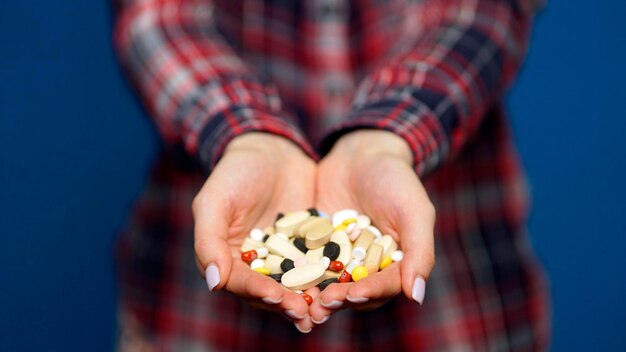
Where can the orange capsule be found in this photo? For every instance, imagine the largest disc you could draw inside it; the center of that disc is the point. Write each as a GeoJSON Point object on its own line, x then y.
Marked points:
{"type": "Point", "coordinates": [335, 266]}
{"type": "Point", "coordinates": [249, 256]}
{"type": "Point", "coordinates": [307, 298]}
{"type": "Point", "coordinates": [345, 277]}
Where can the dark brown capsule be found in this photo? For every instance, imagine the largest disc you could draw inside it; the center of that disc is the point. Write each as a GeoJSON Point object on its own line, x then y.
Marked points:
{"type": "Point", "coordinates": [327, 282]}
{"type": "Point", "coordinates": [276, 277]}
{"type": "Point", "coordinates": [313, 212]}
{"type": "Point", "coordinates": [286, 265]}
{"type": "Point", "coordinates": [300, 244]}
{"type": "Point", "coordinates": [331, 250]}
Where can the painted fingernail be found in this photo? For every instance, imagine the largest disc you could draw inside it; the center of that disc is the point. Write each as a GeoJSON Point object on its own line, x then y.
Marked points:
{"type": "Point", "coordinates": [212, 275]}
{"type": "Point", "coordinates": [324, 319]}
{"type": "Point", "coordinates": [292, 314]}
{"type": "Point", "coordinates": [419, 289]}
{"type": "Point", "coordinates": [270, 300]}
{"type": "Point", "coordinates": [332, 304]}
{"type": "Point", "coordinates": [302, 331]}
{"type": "Point", "coordinates": [357, 299]}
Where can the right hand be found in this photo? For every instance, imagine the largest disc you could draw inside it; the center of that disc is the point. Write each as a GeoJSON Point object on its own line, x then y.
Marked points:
{"type": "Point", "coordinates": [258, 176]}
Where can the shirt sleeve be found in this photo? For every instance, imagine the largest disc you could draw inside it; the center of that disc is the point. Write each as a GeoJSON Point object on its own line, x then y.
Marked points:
{"type": "Point", "coordinates": [193, 84]}
{"type": "Point", "coordinates": [434, 90]}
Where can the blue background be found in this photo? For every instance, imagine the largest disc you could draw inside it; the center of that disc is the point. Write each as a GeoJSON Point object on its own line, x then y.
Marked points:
{"type": "Point", "coordinates": [75, 147]}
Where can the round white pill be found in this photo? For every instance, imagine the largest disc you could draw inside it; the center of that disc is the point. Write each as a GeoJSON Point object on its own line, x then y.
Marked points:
{"type": "Point", "coordinates": [358, 253]}
{"type": "Point", "coordinates": [397, 256]}
{"type": "Point", "coordinates": [257, 235]}
{"type": "Point", "coordinates": [325, 261]}
{"type": "Point", "coordinates": [262, 252]}
{"type": "Point", "coordinates": [375, 231]}
{"type": "Point", "coordinates": [363, 221]}
{"type": "Point", "coordinates": [257, 263]}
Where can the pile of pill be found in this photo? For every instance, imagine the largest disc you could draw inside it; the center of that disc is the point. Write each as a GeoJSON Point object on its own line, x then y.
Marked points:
{"type": "Point", "coordinates": [307, 248]}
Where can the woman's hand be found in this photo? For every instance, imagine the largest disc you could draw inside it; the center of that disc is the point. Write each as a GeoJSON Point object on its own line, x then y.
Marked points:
{"type": "Point", "coordinates": [371, 171]}
{"type": "Point", "coordinates": [258, 176]}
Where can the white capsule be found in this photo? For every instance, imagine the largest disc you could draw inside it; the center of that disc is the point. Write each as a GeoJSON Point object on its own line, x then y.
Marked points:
{"type": "Point", "coordinates": [282, 235]}
{"type": "Point", "coordinates": [375, 231]}
{"type": "Point", "coordinates": [257, 263]}
{"type": "Point", "coordinates": [363, 221]}
{"type": "Point", "coordinates": [257, 235]}
{"type": "Point", "coordinates": [262, 252]}
{"type": "Point", "coordinates": [325, 261]}
{"type": "Point", "coordinates": [342, 215]}
{"type": "Point", "coordinates": [397, 256]}
{"type": "Point", "coordinates": [353, 263]}
{"type": "Point", "coordinates": [358, 253]}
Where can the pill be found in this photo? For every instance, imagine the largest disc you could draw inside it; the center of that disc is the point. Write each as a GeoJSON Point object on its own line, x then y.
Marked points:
{"type": "Point", "coordinates": [385, 262]}
{"type": "Point", "coordinates": [304, 277]}
{"type": "Point", "coordinates": [257, 263]}
{"type": "Point", "coordinates": [340, 227]}
{"type": "Point", "coordinates": [286, 265]}
{"type": "Point", "coordinates": [340, 216]}
{"type": "Point", "coordinates": [375, 231]}
{"type": "Point", "coordinates": [345, 277]}
{"type": "Point", "coordinates": [325, 261]}
{"type": "Point", "coordinates": [397, 256]}
{"type": "Point", "coordinates": [307, 298]}
{"type": "Point", "coordinates": [373, 257]}
{"type": "Point", "coordinates": [289, 222]}
{"type": "Point", "coordinates": [249, 256]}
{"type": "Point", "coordinates": [250, 244]}
{"type": "Point", "coordinates": [339, 237]}
{"type": "Point", "coordinates": [349, 221]}
{"type": "Point", "coordinates": [279, 216]}
{"type": "Point", "coordinates": [345, 254]}
{"type": "Point", "coordinates": [265, 238]}
{"type": "Point", "coordinates": [350, 227]}
{"type": "Point", "coordinates": [388, 243]}
{"type": "Point", "coordinates": [301, 230]}
{"type": "Point", "coordinates": [300, 261]}
{"type": "Point", "coordinates": [273, 262]}
{"type": "Point", "coordinates": [257, 235]}
{"type": "Point", "coordinates": [276, 276]}
{"type": "Point", "coordinates": [269, 230]}
{"type": "Point", "coordinates": [365, 239]}
{"type": "Point", "coordinates": [319, 234]}
{"type": "Point", "coordinates": [363, 221]}
{"type": "Point", "coordinates": [313, 212]}
{"type": "Point", "coordinates": [299, 243]}
{"type": "Point", "coordinates": [359, 272]}
{"type": "Point", "coordinates": [298, 292]}
{"type": "Point", "coordinates": [359, 253]}
{"type": "Point", "coordinates": [282, 247]}
{"type": "Point", "coordinates": [323, 214]}
{"type": "Point", "coordinates": [335, 265]}
{"type": "Point", "coordinates": [281, 235]}
{"type": "Point", "coordinates": [327, 282]}
{"type": "Point", "coordinates": [354, 234]}
{"type": "Point", "coordinates": [353, 263]}
{"type": "Point", "coordinates": [314, 255]}
{"type": "Point", "coordinates": [329, 274]}
{"type": "Point", "coordinates": [263, 271]}
{"type": "Point", "coordinates": [262, 252]}
{"type": "Point", "coordinates": [331, 250]}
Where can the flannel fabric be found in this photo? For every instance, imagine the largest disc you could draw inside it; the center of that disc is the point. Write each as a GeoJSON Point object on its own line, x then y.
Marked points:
{"type": "Point", "coordinates": [431, 71]}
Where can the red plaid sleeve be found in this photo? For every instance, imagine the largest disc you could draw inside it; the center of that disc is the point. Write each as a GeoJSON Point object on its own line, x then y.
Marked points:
{"type": "Point", "coordinates": [436, 88]}
{"type": "Point", "coordinates": [194, 85]}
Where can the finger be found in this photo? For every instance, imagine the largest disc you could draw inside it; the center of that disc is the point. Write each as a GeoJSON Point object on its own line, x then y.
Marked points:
{"type": "Point", "coordinates": [210, 244]}
{"type": "Point", "coordinates": [296, 310]}
{"type": "Point", "coordinates": [330, 300]}
{"type": "Point", "coordinates": [249, 284]}
{"type": "Point", "coordinates": [380, 285]}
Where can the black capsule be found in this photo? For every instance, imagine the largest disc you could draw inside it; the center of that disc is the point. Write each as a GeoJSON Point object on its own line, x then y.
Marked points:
{"type": "Point", "coordinates": [331, 250]}
{"type": "Point", "coordinates": [286, 265]}
{"type": "Point", "coordinates": [300, 244]}
{"type": "Point", "coordinates": [265, 238]}
{"type": "Point", "coordinates": [279, 216]}
{"type": "Point", "coordinates": [327, 282]}
{"type": "Point", "coordinates": [276, 277]}
{"type": "Point", "coordinates": [313, 212]}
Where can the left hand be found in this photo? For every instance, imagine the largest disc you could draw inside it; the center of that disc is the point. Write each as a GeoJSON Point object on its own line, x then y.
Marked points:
{"type": "Point", "coordinates": [371, 171]}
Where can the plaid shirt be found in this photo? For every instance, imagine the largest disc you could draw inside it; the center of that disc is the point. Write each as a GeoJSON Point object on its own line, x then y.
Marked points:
{"type": "Point", "coordinates": [432, 72]}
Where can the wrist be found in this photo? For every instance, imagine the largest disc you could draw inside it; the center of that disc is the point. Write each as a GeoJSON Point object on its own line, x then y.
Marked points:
{"type": "Point", "coordinates": [266, 143]}
{"type": "Point", "coordinates": [373, 143]}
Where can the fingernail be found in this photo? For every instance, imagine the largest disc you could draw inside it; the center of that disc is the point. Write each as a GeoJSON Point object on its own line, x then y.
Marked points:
{"type": "Point", "coordinates": [332, 304]}
{"type": "Point", "coordinates": [292, 314]}
{"type": "Point", "coordinates": [270, 300]}
{"type": "Point", "coordinates": [357, 299]}
{"type": "Point", "coordinates": [324, 319]}
{"type": "Point", "coordinates": [419, 289]}
{"type": "Point", "coordinates": [212, 275]}
{"type": "Point", "coordinates": [302, 331]}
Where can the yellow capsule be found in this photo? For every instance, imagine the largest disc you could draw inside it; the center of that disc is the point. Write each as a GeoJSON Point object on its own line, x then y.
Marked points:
{"type": "Point", "coordinates": [340, 227]}
{"type": "Point", "coordinates": [348, 221]}
{"type": "Point", "coordinates": [264, 271]}
{"type": "Point", "coordinates": [385, 262]}
{"type": "Point", "coordinates": [359, 272]}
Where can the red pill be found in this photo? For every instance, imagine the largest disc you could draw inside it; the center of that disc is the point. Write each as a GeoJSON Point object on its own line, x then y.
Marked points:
{"type": "Point", "coordinates": [249, 256]}
{"type": "Point", "coordinates": [345, 277]}
{"type": "Point", "coordinates": [335, 266]}
{"type": "Point", "coordinates": [307, 298]}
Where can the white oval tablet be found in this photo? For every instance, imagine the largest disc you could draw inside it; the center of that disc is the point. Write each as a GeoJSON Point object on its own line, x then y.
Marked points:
{"type": "Point", "coordinates": [303, 277]}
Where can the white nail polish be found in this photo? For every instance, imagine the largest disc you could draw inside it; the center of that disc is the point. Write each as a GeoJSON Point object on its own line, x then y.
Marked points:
{"type": "Point", "coordinates": [270, 300]}
{"type": "Point", "coordinates": [332, 305]}
{"type": "Point", "coordinates": [302, 331]}
{"type": "Point", "coordinates": [292, 314]}
{"type": "Point", "coordinates": [419, 290]}
{"type": "Point", "coordinates": [324, 319]}
{"type": "Point", "coordinates": [212, 275]}
{"type": "Point", "coordinates": [357, 299]}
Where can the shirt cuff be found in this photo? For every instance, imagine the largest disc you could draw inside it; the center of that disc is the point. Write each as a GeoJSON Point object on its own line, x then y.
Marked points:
{"type": "Point", "coordinates": [410, 119]}
{"type": "Point", "coordinates": [226, 125]}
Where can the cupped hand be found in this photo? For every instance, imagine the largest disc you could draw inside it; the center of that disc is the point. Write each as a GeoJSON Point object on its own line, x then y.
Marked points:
{"type": "Point", "coordinates": [258, 176]}
{"type": "Point", "coordinates": [371, 171]}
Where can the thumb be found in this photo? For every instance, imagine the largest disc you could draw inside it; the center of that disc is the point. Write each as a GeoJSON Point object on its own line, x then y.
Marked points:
{"type": "Point", "coordinates": [210, 240]}
{"type": "Point", "coordinates": [417, 239]}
